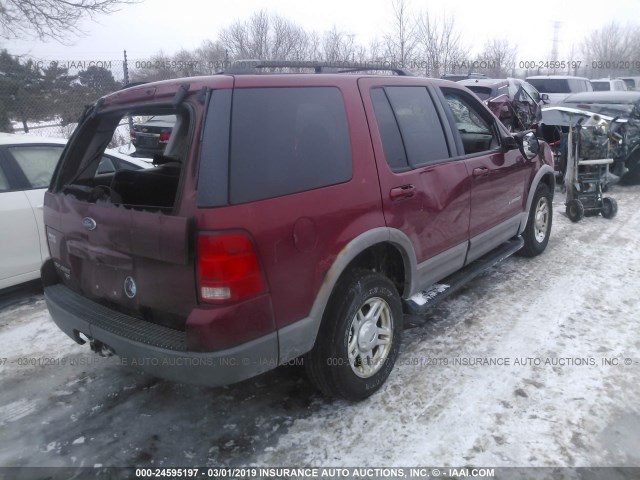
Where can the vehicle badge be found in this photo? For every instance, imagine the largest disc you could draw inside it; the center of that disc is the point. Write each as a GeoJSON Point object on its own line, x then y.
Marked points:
{"type": "Point", "coordinates": [89, 223]}
{"type": "Point", "coordinates": [130, 287]}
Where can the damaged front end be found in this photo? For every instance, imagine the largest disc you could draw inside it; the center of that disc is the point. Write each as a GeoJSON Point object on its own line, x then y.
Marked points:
{"type": "Point", "coordinates": [517, 110]}
{"type": "Point", "coordinates": [604, 136]}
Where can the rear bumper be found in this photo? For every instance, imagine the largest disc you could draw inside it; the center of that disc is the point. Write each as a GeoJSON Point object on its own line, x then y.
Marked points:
{"type": "Point", "coordinates": [158, 350]}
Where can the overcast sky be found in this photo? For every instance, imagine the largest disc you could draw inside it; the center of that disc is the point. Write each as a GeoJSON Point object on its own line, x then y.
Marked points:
{"type": "Point", "coordinates": [145, 28]}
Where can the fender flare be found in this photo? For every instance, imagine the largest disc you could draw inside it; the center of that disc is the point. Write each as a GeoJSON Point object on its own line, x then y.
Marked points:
{"type": "Point", "coordinates": [544, 170]}
{"type": "Point", "coordinates": [299, 337]}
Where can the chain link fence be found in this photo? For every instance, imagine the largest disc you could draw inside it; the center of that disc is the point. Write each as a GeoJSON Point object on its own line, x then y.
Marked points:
{"type": "Point", "coordinates": [46, 97]}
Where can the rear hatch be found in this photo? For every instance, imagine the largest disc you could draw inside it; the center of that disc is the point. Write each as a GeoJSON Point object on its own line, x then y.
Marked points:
{"type": "Point", "coordinates": [125, 239]}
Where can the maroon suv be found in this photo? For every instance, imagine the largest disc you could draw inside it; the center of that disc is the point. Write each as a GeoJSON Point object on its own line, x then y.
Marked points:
{"type": "Point", "coordinates": [289, 215]}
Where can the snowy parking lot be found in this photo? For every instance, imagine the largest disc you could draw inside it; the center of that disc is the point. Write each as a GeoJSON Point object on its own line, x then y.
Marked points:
{"type": "Point", "coordinates": [534, 363]}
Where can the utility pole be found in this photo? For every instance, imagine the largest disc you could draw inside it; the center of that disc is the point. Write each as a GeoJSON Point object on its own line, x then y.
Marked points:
{"type": "Point", "coordinates": [125, 69]}
{"type": "Point", "coordinates": [554, 45]}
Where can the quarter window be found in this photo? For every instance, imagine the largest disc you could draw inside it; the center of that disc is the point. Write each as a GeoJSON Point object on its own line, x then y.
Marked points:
{"type": "Point", "coordinates": [287, 140]}
{"type": "Point", "coordinates": [105, 166]}
{"type": "Point", "coordinates": [4, 183]}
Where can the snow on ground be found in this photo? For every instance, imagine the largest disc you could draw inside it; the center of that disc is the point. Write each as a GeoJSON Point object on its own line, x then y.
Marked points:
{"type": "Point", "coordinates": [555, 319]}
{"type": "Point", "coordinates": [54, 128]}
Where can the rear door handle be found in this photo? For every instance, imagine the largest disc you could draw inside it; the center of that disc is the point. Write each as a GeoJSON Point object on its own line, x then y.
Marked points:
{"type": "Point", "coordinates": [405, 191]}
{"type": "Point", "coordinates": [480, 172]}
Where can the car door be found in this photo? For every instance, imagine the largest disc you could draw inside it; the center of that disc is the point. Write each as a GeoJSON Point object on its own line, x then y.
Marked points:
{"type": "Point", "coordinates": [20, 257]}
{"type": "Point", "coordinates": [498, 176]}
{"type": "Point", "coordinates": [34, 165]}
{"type": "Point", "coordinates": [425, 194]}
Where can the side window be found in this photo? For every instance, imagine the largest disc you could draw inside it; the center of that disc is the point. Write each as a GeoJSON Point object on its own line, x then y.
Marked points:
{"type": "Point", "coordinates": [392, 144]}
{"type": "Point", "coordinates": [105, 166]}
{"type": "Point", "coordinates": [424, 139]}
{"type": "Point", "coordinates": [532, 92]}
{"type": "Point", "coordinates": [4, 183]}
{"type": "Point", "coordinates": [503, 90]}
{"type": "Point", "coordinates": [120, 164]}
{"type": "Point", "coordinates": [477, 132]}
{"type": "Point", "coordinates": [287, 140]}
{"type": "Point", "coordinates": [37, 162]}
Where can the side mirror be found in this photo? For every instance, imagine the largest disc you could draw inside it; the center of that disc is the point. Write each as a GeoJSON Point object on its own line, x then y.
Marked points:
{"type": "Point", "coordinates": [544, 97]}
{"type": "Point", "coordinates": [529, 145]}
{"type": "Point", "coordinates": [509, 143]}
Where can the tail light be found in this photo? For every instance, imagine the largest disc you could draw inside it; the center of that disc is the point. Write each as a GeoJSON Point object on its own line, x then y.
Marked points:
{"type": "Point", "coordinates": [133, 133]}
{"type": "Point", "coordinates": [228, 268]}
{"type": "Point", "coordinates": [164, 136]}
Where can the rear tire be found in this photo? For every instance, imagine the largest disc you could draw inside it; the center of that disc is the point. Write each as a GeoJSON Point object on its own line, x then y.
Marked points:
{"type": "Point", "coordinates": [575, 210]}
{"type": "Point", "coordinates": [538, 229]}
{"type": "Point", "coordinates": [359, 338]}
{"type": "Point", "coordinates": [609, 207]}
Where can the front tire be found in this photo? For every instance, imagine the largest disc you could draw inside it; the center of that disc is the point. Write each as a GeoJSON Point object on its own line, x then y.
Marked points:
{"type": "Point", "coordinates": [359, 338]}
{"type": "Point", "coordinates": [538, 230]}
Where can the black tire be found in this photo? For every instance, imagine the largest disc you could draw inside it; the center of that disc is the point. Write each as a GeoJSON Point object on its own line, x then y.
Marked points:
{"type": "Point", "coordinates": [609, 207]}
{"type": "Point", "coordinates": [575, 210]}
{"type": "Point", "coordinates": [632, 177]}
{"type": "Point", "coordinates": [328, 365]}
{"type": "Point", "coordinates": [536, 233]}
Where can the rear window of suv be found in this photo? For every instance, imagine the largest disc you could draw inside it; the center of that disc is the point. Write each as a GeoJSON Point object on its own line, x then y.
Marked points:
{"type": "Point", "coordinates": [552, 85]}
{"type": "Point", "coordinates": [287, 140]}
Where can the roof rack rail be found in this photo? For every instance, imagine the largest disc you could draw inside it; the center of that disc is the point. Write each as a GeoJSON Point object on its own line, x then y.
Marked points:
{"type": "Point", "coordinates": [132, 84]}
{"type": "Point", "coordinates": [253, 66]}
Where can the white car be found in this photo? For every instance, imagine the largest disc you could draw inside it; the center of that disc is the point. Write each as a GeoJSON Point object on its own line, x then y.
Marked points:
{"type": "Point", "coordinates": [558, 87]}
{"type": "Point", "coordinates": [26, 167]}
{"type": "Point", "coordinates": [608, 85]}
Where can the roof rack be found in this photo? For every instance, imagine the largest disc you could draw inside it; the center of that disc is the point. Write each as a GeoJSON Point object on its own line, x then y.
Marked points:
{"type": "Point", "coordinates": [254, 66]}
{"type": "Point", "coordinates": [132, 84]}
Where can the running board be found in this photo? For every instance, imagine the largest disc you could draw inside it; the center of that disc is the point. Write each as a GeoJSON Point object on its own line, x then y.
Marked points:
{"type": "Point", "coordinates": [421, 302]}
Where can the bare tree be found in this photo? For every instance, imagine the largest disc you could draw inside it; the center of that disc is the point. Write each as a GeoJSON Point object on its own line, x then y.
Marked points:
{"type": "Point", "coordinates": [266, 37]}
{"type": "Point", "coordinates": [440, 41]}
{"type": "Point", "coordinates": [338, 46]}
{"type": "Point", "coordinates": [399, 44]}
{"type": "Point", "coordinates": [288, 40]}
{"type": "Point", "coordinates": [51, 19]}
{"type": "Point", "coordinates": [158, 68]}
{"type": "Point", "coordinates": [608, 49]}
{"type": "Point", "coordinates": [212, 57]}
{"type": "Point", "coordinates": [235, 39]}
{"type": "Point", "coordinates": [498, 58]}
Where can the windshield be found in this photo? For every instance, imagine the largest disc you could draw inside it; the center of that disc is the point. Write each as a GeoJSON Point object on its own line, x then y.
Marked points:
{"type": "Point", "coordinates": [600, 86]}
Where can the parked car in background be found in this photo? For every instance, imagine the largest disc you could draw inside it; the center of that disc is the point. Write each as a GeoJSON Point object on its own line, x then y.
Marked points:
{"type": "Point", "coordinates": [290, 215]}
{"type": "Point", "coordinates": [558, 87]}
{"type": "Point", "coordinates": [152, 135]}
{"type": "Point", "coordinates": [608, 84]}
{"type": "Point", "coordinates": [632, 83]}
{"type": "Point", "coordinates": [26, 166]}
{"type": "Point", "coordinates": [515, 102]}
